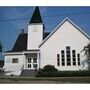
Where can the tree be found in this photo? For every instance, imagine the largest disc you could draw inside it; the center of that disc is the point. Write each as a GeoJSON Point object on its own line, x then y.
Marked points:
{"type": "Point", "coordinates": [0, 46]}
{"type": "Point", "coordinates": [87, 53]}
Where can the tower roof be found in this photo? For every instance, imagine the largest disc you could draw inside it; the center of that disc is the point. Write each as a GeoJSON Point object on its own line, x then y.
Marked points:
{"type": "Point", "coordinates": [36, 17]}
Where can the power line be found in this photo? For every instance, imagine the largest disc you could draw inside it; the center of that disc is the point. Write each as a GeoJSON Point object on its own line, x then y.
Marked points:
{"type": "Point", "coordinates": [13, 19]}
{"type": "Point", "coordinates": [57, 15]}
{"type": "Point", "coordinates": [67, 14]}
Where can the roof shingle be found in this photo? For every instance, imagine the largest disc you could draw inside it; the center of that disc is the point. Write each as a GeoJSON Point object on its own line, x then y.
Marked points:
{"type": "Point", "coordinates": [36, 17]}
{"type": "Point", "coordinates": [21, 43]}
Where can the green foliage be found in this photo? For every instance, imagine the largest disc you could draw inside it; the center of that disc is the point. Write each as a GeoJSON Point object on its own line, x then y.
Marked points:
{"type": "Point", "coordinates": [49, 68]}
{"type": "Point", "coordinates": [1, 63]}
{"type": "Point", "coordinates": [64, 74]}
{"type": "Point", "coordinates": [87, 53]}
{"type": "Point", "coordinates": [87, 50]}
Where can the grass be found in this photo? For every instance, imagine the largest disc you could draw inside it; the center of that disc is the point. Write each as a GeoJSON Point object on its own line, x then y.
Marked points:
{"type": "Point", "coordinates": [47, 79]}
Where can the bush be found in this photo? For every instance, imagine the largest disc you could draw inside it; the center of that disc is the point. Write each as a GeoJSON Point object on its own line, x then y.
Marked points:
{"type": "Point", "coordinates": [49, 68]}
{"type": "Point", "coordinates": [64, 74]}
{"type": "Point", "coordinates": [51, 71]}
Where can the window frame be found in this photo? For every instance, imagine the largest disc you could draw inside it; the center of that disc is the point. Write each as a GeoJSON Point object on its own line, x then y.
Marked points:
{"type": "Point", "coordinates": [63, 57]}
{"type": "Point", "coordinates": [34, 66]}
{"type": "Point", "coordinates": [29, 60]}
{"type": "Point", "coordinates": [29, 65]}
{"type": "Point", "coordinates": [35, 60]}
{"type": "Point", "coordinates": [15, 60]}
{"type": "Point", "coordinates": [74, 57]}
{"type": "Point", "coordinates": [68, 55]}
{"type": "Point", "coordinates": [78, 59]}
{"type": "Point", "coordinates": [58, 59]}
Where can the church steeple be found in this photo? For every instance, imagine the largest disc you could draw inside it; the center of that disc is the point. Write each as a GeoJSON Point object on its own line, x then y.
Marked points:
{"type": "Point", "coordinates": [36, 17]}
{"type": "Point", "coordinates": [35, 30]}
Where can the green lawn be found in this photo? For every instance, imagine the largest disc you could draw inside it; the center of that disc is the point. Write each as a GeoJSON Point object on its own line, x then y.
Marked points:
{"type": "Point", "coordinates": [45, 80]}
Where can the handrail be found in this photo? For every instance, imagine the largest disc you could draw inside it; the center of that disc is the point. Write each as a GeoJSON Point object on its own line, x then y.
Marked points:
{"type": "Point", "coordinates": [22, 67]}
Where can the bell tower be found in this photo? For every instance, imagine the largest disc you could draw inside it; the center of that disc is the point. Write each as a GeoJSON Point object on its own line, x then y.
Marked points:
{"type": "Point", "coordinates": [35, 30]}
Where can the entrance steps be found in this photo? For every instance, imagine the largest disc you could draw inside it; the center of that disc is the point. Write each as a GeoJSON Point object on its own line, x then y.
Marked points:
{"type": "Point", "coordinates": [28, 73]}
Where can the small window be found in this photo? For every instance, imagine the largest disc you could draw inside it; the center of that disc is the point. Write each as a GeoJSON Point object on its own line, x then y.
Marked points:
{"type": "Point", "coordinates": [63, 63]}
{"type": "Point", "coordinates": [78, 63]}
{"type": "Point", "coordinates": [74, 63]}
{"type": "Point", "coordinates": [15, 60]}
{"type": "Point", "coordinates": [58, 60]}
{"type": "Point", "coordinates": [29, 65]}
{"type": "Point", "coordinates": [78, 55]}
{"type": "Point", "coordinates": [29, 60]}
{"type": "Point", "coordinates": [34, 60]}
{"type": "Point", "coordinates": [68, 55]}
{"type": "Point", "coordinates": [68, 63]}
{"type": "Point", "coordinates": [68, 48]}
{"type": "Point", "coordinates": [62, 51]}
{"type": "Point", "coordinates": [68, 59]}
{"type": "Point", "coordinates": [73, 51]}
{"type": "Point", "coordinates": [68, 52]}
{"type": "Point", "coordinates": [34, 65]}
{"type": "Point", "coordinates": [78, 58]}
{"type": "Point", "coordinates": [74, 57]}
{"type": "Point", "coordinates": [58, 64]}
{"type": "Point", "coordinates": [63, 57]}
{"type": "Point", "coordinates": [58, 55]}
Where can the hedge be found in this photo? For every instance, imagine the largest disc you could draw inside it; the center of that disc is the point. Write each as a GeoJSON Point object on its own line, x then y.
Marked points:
{"type": "Point", "coordinates": [64, 74]}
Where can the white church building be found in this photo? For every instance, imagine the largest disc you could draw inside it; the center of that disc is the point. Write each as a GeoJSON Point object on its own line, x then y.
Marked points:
{"type": "Point", "coordinates": [33, 50]}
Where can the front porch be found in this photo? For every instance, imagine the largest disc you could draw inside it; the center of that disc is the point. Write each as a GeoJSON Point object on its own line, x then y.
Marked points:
{"type": "Point", "coordinates": [17, 62]}
{"type": "Point", "coordinates": [32, 59]}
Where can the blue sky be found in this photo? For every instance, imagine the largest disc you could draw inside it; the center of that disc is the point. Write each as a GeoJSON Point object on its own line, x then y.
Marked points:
{"type": "Point", "coordinates": [10, 27]}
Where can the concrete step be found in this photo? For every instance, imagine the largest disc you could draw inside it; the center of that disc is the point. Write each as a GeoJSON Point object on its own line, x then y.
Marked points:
{"type": "Point", "coordinates": [28, 73]}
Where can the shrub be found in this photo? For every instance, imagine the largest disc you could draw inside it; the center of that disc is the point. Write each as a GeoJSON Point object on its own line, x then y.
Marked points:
{"type": "Point", "coordinates": [64, 74]}
{"type": "Point", "coordinates": [51, 71]}
{"type": "Point", "coordinates": [49, 68]}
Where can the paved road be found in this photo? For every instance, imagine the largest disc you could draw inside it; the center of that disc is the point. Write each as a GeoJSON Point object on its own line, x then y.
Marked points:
{"type": "Point", "coordinates": [48, 80]}
{"type": "Point", "coordinates": [30, 82]}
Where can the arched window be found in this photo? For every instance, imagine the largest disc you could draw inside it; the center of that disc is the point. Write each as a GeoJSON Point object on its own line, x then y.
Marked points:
{"type": "Point", "coordinates": [58, 60]}
{"type": "Point", "coordinates": [68, 55]}
{"type": "Point", "coordinates": [68, 52]}
{"type": "Point", "coordinates": [63, 57]}
{"type": "Point", "coordinates": [74, 57]}
{"type": "Point", "coordinates": [78, 58]}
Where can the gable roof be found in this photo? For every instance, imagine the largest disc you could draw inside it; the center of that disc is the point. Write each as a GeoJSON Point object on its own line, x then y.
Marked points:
{"type": "Point", "coordinates": [21, 43]}
{"type": "Point", "coordinates": [45, 35]}
{"type": "Point", "coordinates": [36, 17]}
{"type": "Point", "coordinates": [66, 19]}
